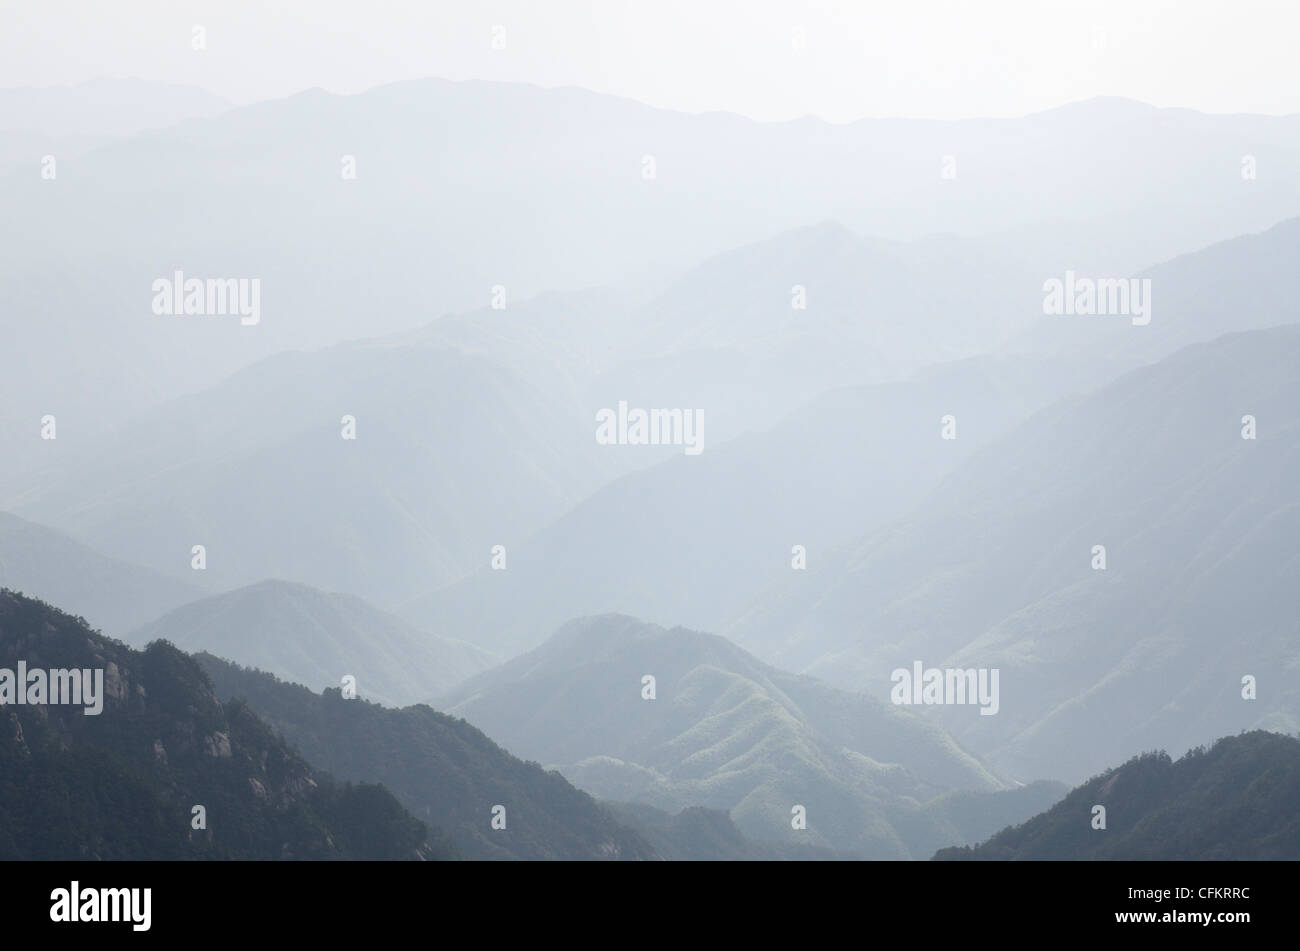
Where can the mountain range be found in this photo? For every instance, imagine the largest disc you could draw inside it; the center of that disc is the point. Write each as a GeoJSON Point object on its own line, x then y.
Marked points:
{"type": "Point", "coordinates": [316, 638]}
{"type": "Point", "coordinates": [391, 475]}
{"type": "Point", "coordinates": [726, 732]}
{"type": "Point", "coordinates": [260, 192]}
{"type": "Point", "coordinates": [1144, 644]}
{"type": "Point", "coordinates": [51, 566]}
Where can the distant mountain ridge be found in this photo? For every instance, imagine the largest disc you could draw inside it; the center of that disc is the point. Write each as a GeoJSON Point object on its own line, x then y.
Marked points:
{"type": "Point", "coordinates": [386, 515]}
{"type": "Point", "coordinates": [693, 541]}
{"type": "Point", "coordinates": [46, 564]}
{"type": "Point", "coordinates": [696, 541]}
{"type": "Point", "coordinates": [399, 245]}
{"type": "Point", "coordinates": [316, 638]}
{"type": "Point", "coordinates": [104, 107]}
{"type": "Point", "coordinates": [996, 568]}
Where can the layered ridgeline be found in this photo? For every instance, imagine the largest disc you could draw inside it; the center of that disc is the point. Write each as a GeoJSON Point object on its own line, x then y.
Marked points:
{"type": "Point", "coordinates": [478, 430]}
{"type": "Point", "coordinates": [123, 783]}
{"type": "Point", "coordinates": [726, 732]}
{"type": "Point", "coordinates": [752, 332]}
{"type": "Point", "coordinates": [695, 539]}
{"type": "Point", "coordinates": [727, 336]}
{"type": "Point", "coordinates": [103, 108]}
{"type": "Point", "coordinates": [69, 121]}
{"type": "Point", "coordinates": [345, 257]}
{"type": "Point", "coordinates": [1181, 633]}
{"type": "Point", "coordinates": [1234, 285]}
{"type": "Point", "coordinates": [1233, 801]}
{"type": "Point", "coordinates": [49, 565]}
{"type": "Point", "coordinates": [441, 768]}
{"type": "Point", "coordinates": [317, 638]}
{"type": "Point", "coordinates": [451, 456]}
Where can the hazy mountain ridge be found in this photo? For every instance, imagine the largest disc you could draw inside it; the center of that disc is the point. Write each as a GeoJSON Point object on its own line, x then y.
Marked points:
{"type": "Point", "coordinates": [50, 566]}
{"type": "Point", "coordinates": [255, 180]}
{"type": "Point", "coordinates": [514, 396]}
{"type": "Point", "coordinates": [693, 541]}
{"type": "Point", "coordinates": [386, 515]}
{"type": "Point", "coordinates": [994, 568]}
{"type": "Point", "coordinates": [67, 122]}
{"type": "Point", "coordinates": [1230, 286]}
{"type": "Point", "coordinates": [104, 107]}
{"type": "Point", "coordinates": [315, 638]}
{"type": "Point", "coordinates": [475, 430]}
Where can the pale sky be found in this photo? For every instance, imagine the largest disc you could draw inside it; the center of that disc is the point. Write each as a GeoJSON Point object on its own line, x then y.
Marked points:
{"type": "Point", "coordinates": [918, 58]}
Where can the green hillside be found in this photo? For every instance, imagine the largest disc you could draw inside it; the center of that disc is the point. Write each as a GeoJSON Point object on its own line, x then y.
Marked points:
{"type": "Point", "coordinates": [728, 733]}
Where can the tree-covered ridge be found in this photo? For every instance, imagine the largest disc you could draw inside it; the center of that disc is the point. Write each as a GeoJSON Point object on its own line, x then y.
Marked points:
{"type": "Point", "coordinates": [441, 768]}
{"type": "Point", "coordinates": [1238, 799]}
{"type": "Point", "coordinates": [123, 784]}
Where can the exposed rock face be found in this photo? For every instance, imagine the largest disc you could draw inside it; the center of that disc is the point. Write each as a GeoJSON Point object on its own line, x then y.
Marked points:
{"type": "Point", "coordinates": [114, 686]}
{"type": "Point", "coordinates": [16, 732]}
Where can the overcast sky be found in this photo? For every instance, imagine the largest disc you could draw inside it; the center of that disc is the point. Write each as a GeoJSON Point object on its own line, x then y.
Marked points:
{"type": "Point", "coordinates": [920, 58]}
